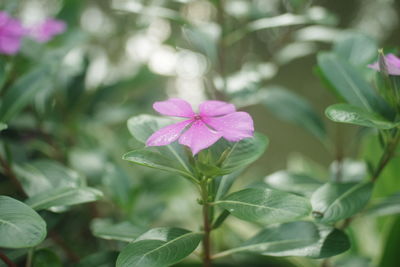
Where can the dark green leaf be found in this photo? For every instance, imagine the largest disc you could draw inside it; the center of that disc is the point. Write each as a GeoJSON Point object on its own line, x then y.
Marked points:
{"type": "Point", "coordinates": [46, 258]}
{"type": "Point", "coordinates": [346, 113]}
{"type": "Point", "coordinates": [292, 108]}
{"type": "Point", "coordinates": [159, 247]}
{"type": "Point", "coordinates": [244, 152]}
{"type": "Point", "coordinates": [349, 84]}
{"type": "Point", "coordinates": [19, 95]}
{"type": "Point", "coordinates": [278, 240]}
{"type": "Point", "coordinates": [99, 259]}
{"type": "Point", "coordinates": [123, 231]}
{"type": "Point", "coordinates": [20, 226]}
{"type": "Point", "coordinates": [291, 182]}
{"type": "Point", "coordinates": [265, 205]}
{"type": "Point", "coordinates": [63, 197]}
{"type": "Point", "coordinates": [333, 202]}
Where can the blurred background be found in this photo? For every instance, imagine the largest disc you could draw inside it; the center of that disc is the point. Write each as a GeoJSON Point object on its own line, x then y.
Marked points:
{"type": "Point", "coordinates": [119, 56]}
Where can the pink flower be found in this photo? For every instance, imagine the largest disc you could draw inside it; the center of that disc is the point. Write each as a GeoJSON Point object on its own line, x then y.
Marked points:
{"type": "Point", "coordinates": [392, 64]}
{"type": "Point", "coordinates": [215, 119]}
{"type": "Point", "coordinates": [45, 31]}
{"type": "Point", "coordinates": [11, 33]}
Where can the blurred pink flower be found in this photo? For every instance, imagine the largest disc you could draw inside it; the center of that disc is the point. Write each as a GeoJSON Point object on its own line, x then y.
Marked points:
{"type": "Point", "coordinates": [46, 30]}
{"type": "Point", "coordinates": [392, 64]}
{"type": "Point", "coordinates": [11, 33]}
{"type": "Point", "coordinates": [215, 119]}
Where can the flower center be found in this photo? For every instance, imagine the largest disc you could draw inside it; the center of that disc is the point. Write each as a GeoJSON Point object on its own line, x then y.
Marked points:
{"type": "Point", "coordinates": [197, 117]}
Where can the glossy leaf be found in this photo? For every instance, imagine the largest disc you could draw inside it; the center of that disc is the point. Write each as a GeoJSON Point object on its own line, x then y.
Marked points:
{"type": "Point", "coordinates": [20, 226]}
{"type": "Point", "coordinates": [159, 247]}
{"type": "Point", "coordinates": [349, 84]}
{"type": "Point", "coordinates": [357, 48]}
{"type": "Point", "coordinates": [63, 197]}
{"type": "Point", "coordinates": [346, 113]}
{"type": "Point", "coordinates": [153, 159]}
{"type": "Point", "coordinates": [292, 108]}
{"type": "Point", "coordinates": [278, 240]}
{"type": "Point", "coordinates": [265, 205]}
{"type": "Point", "coordinates": [388, 206]}
{"type": "Point", "coordinates": [333, 202]}
{"type": "Point", "coordinates": [123, 231]}
{"type": "Point", "coordinates": [291, 182]}
{"type": "Point", "coordinates": [244, 152]}
{"type": "Point", "coordinates": [331, 242]}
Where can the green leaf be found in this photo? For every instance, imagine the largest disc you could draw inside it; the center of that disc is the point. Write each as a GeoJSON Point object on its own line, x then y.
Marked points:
{"type": "Point", "coordinates": [100, 259]}
{"type": "Point", "coordinates": [388, 206]}
{"type": "Point", "coordinates": [331, 242]}
{"type": "Point", "coordinates": [201, 40]}
{"type": "Point", "coordinates": [63, 197]}
{"type": "Point", "coordinates": [123, 231]}
{"type": "Point", "coordinates": [357, 48]}
{"type": "Point", "coordinates": [292, 108]}
{"type": "Point", "coordinates": [20, 226]}
{"type": "Point", "coordinates": [333, 202]}
{"type": "Point", "coordinates": [153, 159]}
{"type": "Point", "coordinates": [291, 182]}
{"type": "Point", "coordinates": [390, 251]}
{"type": "Point", "coordinates": [346, 113]}
{"type": "Point", "coordinates": [22, 91]}
{"type": "Point", "coordinates": [349, 170]}
{"type": "Point", "coordinates": [349, 84]}
{"type": "Point", "coordinates": [3, 126]}
{"type": "Point", "coordinates": [46, 258]}
{"type": "Point", "coordinates": [142, 126]}
{"type": "Point", "coordinates": [41, 176]}
{"type": "Point", "coordinates": [265, 205]}
{"type": "Point", "coordinates": [244, 152]}
{"type": "Point", "coordinates": [278, 240]}
{"type": "Point", "coordinates": [224, 183]}
{"type": "Point", "coordinates": [159, 247]}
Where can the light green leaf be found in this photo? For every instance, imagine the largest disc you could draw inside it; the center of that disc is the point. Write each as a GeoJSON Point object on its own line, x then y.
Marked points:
{"type": "Point", "coordinates": [244, 152]}
{"type": "Point", "coordinates": [357, 48]}
{"type": "Point", "coordinates": [123, 231]}
{"type": "Point", "coordinates": [3, 126]}
{"type": "Point", "coordinates": [278, 240]}
{"type": "Point", "coordinates": [292, 108]}
{"type": "Point", "coordinates": [153, 159]}
{"type": "Point", "coordinates": [142, 126]}
{"type": "Point", "coordinates": [349, 84]}
{"type": "Point", "coordinates": [349, 170]}
{"type": "Point", "coordinates": [346, 113]}
{"type": "Point", "coordinates": [159, 247]}
{"type": "Point", "coordinates": [201, 40]}
{"type": "Point", "coordinates": [388, 206]}
{"type": "Point", "coordinates": [265, 205]}
{"type": "Point", "coordinates": [22, 91]}
{"type": "Point", "coordinates": [20, 226]}
{"type": "Point", "coordinates": [63, 197]}
{"type": "Point", "coordinates": [41, 176]}
{"type": "Point", "coordinates": [291, 182]}
{"type": "Point", "coordinates": [333, 202]}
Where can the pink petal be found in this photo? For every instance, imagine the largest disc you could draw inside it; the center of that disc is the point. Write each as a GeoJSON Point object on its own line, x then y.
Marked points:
{"type": "Point", "coordinates": [9, 45]}
{"type": "Point", "coordinates": [167, 134]}
{"type": "Point", "coordinates": [46, 30]}
{"type": "Point", "coordinates": [215, 108]}
{"type": "Point", "coordinates": [174, 107]}
{"type": "Point", "coordinates": [199, 137]}
{"type": "Point", "coordinates": [233, 127]}
{"type": "Point", "coordinates": [392, 64]}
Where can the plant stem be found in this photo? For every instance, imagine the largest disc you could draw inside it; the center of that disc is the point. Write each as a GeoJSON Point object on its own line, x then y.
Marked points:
{"type": "Point", "coordinates": [206, 224]}
{"type": "Point", "coordinates": [386, 156]}
{"type": "Point", "coordinates": [6, 260]}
